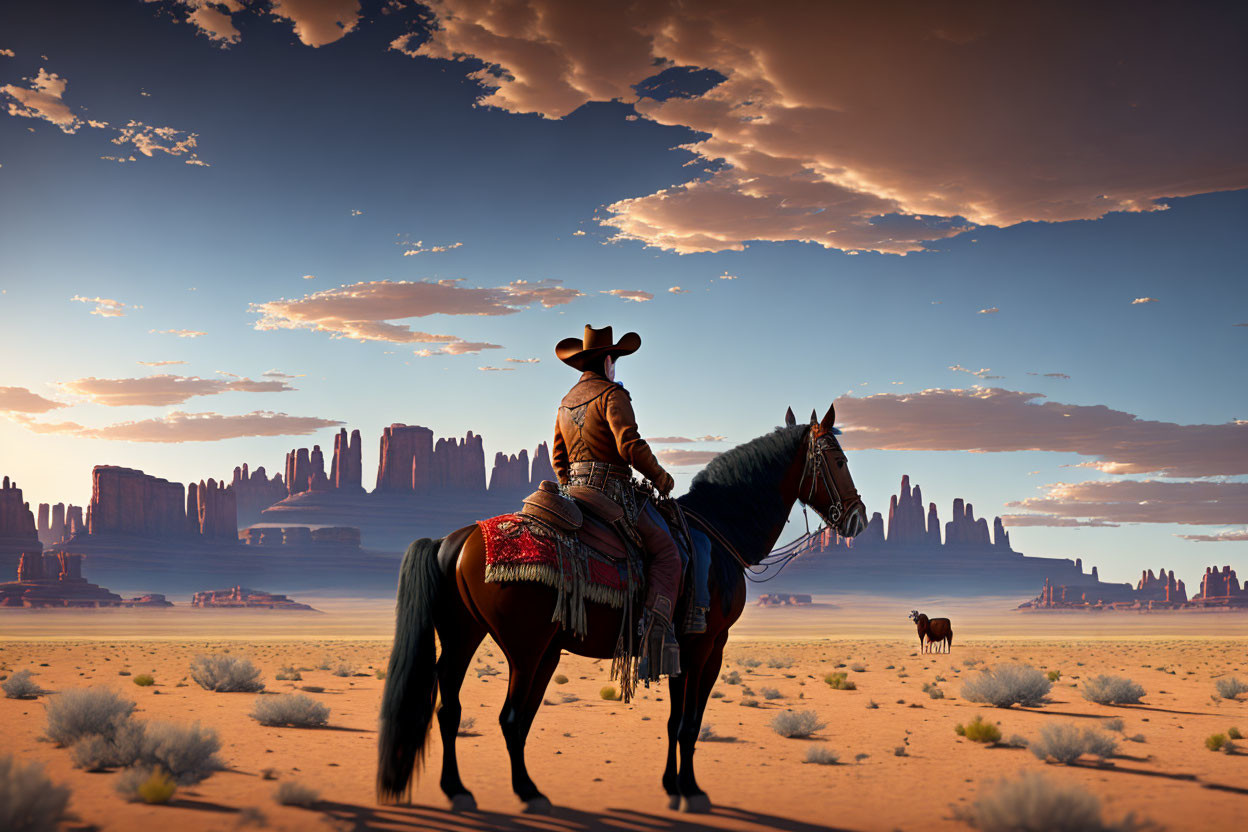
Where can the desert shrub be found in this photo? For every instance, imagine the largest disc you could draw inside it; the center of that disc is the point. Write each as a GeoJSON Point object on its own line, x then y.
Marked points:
{"type": "Point", "coordinates": [1230, 688]}
{"type": "Point", "coordinates": [1034, 803]}
{"type": "Point", "coordinates": [780, 662]}
{"type": "Point", "coordinates": [560, 679]}
{"type": "Point", "coordinates": [466, 725]}
{"type": "Point", "coordinates": [899, 751]}
{"type": "Point", "coordinates": [1229, 747]}
{"type": "Point", "coordinates": [487, 670]}
{"type": "Point", "coordinates": [796, 724]}
{"type": "Point", "coordinates": [933, 691]}
{"type": "Point", "coordinates": [226, 674]}
{"type": "Point", "coordinates": [187, 753]}
{"type": "Point", "coordinates": [380, 674]}
{"type": "Point", "coordinates": [1065, 743]}
{"type": "Point", "coordinates": [291, 793]}
{"type": "Point", "coordinates": [1054, 675]}
{"type": "Point", "coordinates": [748, 703]}
{"type": "Point", "coordinates": [1006, 685]}
{"type": "Point", "coordinates": [732, 678]}
{"type": "Point", "coordinates": [149, 785]}
{"type": "Point", "coordinates": [1214, 742]}
{"type": "Point", "coordinates": [343, 669]}
{"type": "Point", "coordinates": [144, 680]}
{"type": "Point", "coordinates": [121, 747]}
{"type": "Point", "coordinates": [822, 755]}
{"type": "Point", "coordinates": [29, 801]}
{"type": "Point", "coordinates": [609, 692]}
{"type": "Point", "coordinates": [21, 686]}
{"type": "Point", "coordinates": [978, 731]}
{"type": "Point", "coordinates": [771, 693]}
{"type": "Point", "coordinates": [1017, 741]}
{"type": "Point", "coordinates": [291, 709]}
{"type": "Point", "coordinates": [1115, 724]}
{"type": "Point", "coordinates": [839, 681]}
{"type": "Point", "coordinates": [858, 667]}
{"type": "Point", "coordinates": [85, 711]}
{"type": "Point", "coordinates": [325, 663]}
{"type": "Point", "coordinates": [872, 705]}
{"type": "Point", "coordinates": [312, 688]}
{"type": "Point", "coordinates": [288, 674]}
{"type": "Point", "coordinates": [707, 733]}
{"type": "Point", "coordinates": [1112, 690]}
{"type": "Point", "coordinates": [1234, 734]}
{"type": "Point", "coordinates": [749, 661]}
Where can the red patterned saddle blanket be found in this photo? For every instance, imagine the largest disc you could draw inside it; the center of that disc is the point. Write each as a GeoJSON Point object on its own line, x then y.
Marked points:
{"type": "Point", "coordinates": [519, 548]}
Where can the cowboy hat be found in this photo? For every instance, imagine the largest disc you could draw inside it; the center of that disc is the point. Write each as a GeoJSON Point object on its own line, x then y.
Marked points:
{"type": "Point", "coordinates": [597, 343]}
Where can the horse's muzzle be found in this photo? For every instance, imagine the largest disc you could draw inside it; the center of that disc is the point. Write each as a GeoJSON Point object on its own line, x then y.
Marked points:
{"type": "Point", "coordinates": [854, 521]}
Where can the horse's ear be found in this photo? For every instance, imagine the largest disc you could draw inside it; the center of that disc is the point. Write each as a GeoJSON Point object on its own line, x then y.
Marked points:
{"type": "Point", "coordinates": [814, 418]}
{"type": "Point", "coordinates": [829, 418]}
{"type": "Point", "coordinates": [789, 419]}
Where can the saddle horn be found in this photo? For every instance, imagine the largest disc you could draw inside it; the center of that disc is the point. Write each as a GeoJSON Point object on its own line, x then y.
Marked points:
{"type": "Point", "coordinates": [789, 419]}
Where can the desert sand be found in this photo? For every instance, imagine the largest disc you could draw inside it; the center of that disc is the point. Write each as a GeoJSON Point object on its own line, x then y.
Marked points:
{"type": "Point", "coordinates": [599, 761]}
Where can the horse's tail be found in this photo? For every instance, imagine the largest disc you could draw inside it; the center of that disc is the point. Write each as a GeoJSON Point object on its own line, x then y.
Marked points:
{"type": "Point", "coordinates": [411, 681]}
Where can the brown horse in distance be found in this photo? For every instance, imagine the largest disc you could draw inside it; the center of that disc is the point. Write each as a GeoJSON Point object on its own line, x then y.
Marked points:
{"type": "Point", "coordinates": [932, 631]}
{"type": "Point", "coordinates": [745, 496]}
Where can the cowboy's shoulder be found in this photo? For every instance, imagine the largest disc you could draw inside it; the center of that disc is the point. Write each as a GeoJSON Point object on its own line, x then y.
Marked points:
{"type": "Point", "coordinates": [586, 390]}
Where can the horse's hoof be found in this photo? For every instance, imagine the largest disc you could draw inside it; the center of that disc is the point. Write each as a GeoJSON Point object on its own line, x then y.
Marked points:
{"type": "Point", "coordinates": [673, 802]}
{"type": "Point", "coordinates": [698, 804]}
{"type": "Point", "coordinates": [463, 802]}
{"type": "Point", "coordinates": [537, 806]}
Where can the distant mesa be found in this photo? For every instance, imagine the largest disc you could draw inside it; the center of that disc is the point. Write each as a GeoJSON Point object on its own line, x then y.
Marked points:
{"type": "Point", "coordinates": [915, 553]}
{"type": "Point", "coordinates": [239, 597]}
{"type": "Point", "coordinates": [152, 600]}
{"type": "Point", "coordinates": [1219, 589]}
{"type": "Point", "coordinates": [784, 599]}
{"type": "Point", "coordinates": [18, 534]}
{"type": "Point", "coordinates": [53, 581]}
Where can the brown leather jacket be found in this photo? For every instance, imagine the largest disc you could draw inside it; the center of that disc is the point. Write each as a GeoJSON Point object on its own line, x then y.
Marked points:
{"type": "Point", "coordinates": [596, 424]}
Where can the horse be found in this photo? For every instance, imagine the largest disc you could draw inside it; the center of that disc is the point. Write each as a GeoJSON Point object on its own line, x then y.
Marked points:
{"type": "Point", "coordinates": [741, 500]}
{"type": "Point", "coordinates": [932, 631]}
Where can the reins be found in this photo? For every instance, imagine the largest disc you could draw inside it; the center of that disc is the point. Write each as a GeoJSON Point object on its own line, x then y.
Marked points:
{"type": "Point", "coordinates": [781, 556]}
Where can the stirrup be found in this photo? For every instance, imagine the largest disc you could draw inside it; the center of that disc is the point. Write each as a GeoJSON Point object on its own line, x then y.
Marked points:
{"type": "Point", "coordinates": [695, 620]}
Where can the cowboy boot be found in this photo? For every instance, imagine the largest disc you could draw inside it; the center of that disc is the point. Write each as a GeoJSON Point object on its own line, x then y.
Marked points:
{"type": "Point", "coordinates": [695, 620]}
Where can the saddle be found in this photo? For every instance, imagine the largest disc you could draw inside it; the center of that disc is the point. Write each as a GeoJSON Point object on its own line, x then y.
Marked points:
{"type": "Point", "coordinates": [587, 514]}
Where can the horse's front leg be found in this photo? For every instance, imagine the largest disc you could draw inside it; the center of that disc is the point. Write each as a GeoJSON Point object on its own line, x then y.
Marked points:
{"type": "Point", "coordinates": [676, 691]}
{"type": "Point", "coordinates": [697, 692]}
{"type": "Point", "coordinates": [530, 673]}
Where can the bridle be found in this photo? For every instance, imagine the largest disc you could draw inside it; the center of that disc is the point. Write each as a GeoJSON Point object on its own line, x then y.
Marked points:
{"type": "Point", "coordinates": [817, 470]}
{"type": "Point", "coordinates": [820, 442]}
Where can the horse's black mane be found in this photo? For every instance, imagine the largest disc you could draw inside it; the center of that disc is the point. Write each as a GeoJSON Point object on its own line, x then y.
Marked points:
{"type": "Point", "coordinates": [739, 492]}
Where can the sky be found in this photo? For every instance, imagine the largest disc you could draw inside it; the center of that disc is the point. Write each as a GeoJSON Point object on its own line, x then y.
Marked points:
{"type": "Point", "coordinates": [1007, 242]}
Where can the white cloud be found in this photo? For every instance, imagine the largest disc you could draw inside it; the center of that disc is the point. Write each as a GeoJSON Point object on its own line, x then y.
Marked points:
{"type": "Point", "coordinates": [181, 333]}
{"type": "Point", "coordinates": [104, 307]}
{"type": "Point", "coordinates": [991, 310]}
{"type": "Point", "coordinates": [525, 360]}
{"type": "Point", "coordinates": [1144, 300]}
{"type": "Point", "coordinates": [676, 290]}
{"type": "Point", "coordinates": [635, 295]}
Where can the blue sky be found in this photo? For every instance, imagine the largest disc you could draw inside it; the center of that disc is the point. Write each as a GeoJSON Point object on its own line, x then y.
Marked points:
{"type": "Point", "coordinates": [332, 161]}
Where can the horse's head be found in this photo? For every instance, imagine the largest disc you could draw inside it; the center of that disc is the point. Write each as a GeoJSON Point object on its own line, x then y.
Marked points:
{"type": "Point", "coordinates": [825, 484]}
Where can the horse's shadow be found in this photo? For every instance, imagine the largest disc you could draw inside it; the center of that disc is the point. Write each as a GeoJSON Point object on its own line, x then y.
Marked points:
{"type": "Point", "coordinates": [358, 818]}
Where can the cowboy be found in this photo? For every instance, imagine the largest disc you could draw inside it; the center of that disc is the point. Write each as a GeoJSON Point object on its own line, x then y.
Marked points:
{"type": "Point", "coordinates": [597, 444]}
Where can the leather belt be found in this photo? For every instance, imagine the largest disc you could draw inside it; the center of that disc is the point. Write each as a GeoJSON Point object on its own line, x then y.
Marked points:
{"type": "Point", "coordinates": [595, 474]}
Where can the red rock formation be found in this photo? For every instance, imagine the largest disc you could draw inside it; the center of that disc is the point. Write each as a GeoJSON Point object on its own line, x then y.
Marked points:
{"type": "Point", "coordinates": [337, 536]}
{"type": "Point", "coordinates": [241, 597]}
{"type": "Point", "coordinates": [905, 515]}
{"type": "Point", "coordinates": [54, 523]}
{"type": "Point", "coordinates": [346, 470]}
{"type": "Point", "coordinates": [217, 510]}
{"type": "Point", "coordinates": [297, 536]}
{"type": "Point", "coordinates": [404, 459]}
{"type": "Point", "coordinates": [511, 473]}
{"type": "Point", "coordinates": [53, 581]}
{"type": "Point", "coordinates": [265, 536]}
{"type": "Point", "coordinates": [128, 501]}
{"type": "Point", "coordinates": [73, 521]}
{"type": "Point", "coordinates": [1219, 584]}
{"type": "Point", "coordinates": [542, 468]}
{"type": "Point", "coordinates": [254, 492]}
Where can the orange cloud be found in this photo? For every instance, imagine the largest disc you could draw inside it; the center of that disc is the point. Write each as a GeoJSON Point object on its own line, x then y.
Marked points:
{"type": "Point", "coordinates": [635, 295]}
{"type": "Point", "coordinates": [1053, 520]}
{"type": "Point", "coordinates": [1224, 536]}
{"type": "Point", "coordinates": [1141, 501]}
{"type": "Point", "coordinates": [104, 307]}
{"type": "Point", "coordinates": [181, 333]}
{"type": "Point", "coordinates": [804, 149]}
{"type": "Point", "coordinates": [160, 363]}
{"type": "Point", "coordinates": [318, 22]}
{"type": "Point", "coordinates": [162, 390]}
{"type": "Point", "coordinates": [42, 100]}
{"type": "Point", "coordinates": [21, 400]}
{"type": "Point", "coordinates": [678, 458]}
{"type": "Point", "coordinates": [365, 311]}
{"type": "Point", "coordinates": [990, 419]}
{"type": "Point", "coordinates": [193, 427]}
